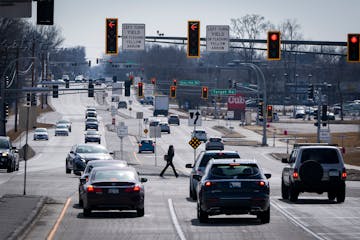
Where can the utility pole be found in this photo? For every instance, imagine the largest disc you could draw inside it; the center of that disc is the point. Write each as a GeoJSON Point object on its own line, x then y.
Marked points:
{"type": "Point", "coordinates": [17, 87]}
{"type": "Point", "coordinates": [33, 64]}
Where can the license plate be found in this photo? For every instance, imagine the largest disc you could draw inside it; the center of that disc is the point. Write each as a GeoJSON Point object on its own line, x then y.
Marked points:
{"type": "Point", "coordinates": [113, 190]}
{"type": "Point", "coordinates": [235, 185]}
{"type": "Point", "coordinates": [333, 173]}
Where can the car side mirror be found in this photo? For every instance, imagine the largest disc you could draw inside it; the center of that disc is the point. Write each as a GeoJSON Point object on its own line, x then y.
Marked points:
{"type": "Point", "coordinates": [189, 165]}
{"type": "Point", "coordinates": [197, 177]}
{"type": "Point", "coordinates": [268, 175]}
{"type": "Point", "coordinates": [143, 180]}
{"type": "Point", "coordinates": [284, 160]}
{"type": "Point", "coordinates": [82, 180]}
{"type": "Point", "coordinates": [111, 153]}
{"type": "Point", "coordinates": [13, 148]}
{"type": "Point", "coordinates": [72, 152]}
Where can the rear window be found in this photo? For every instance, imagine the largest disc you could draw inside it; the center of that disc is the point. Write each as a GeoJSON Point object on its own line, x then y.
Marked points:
{"type": "Point", "coordinates": [146, 142]}
{"type": "Point", "coordinates": [207, 156]}
{"type": "Point", "coordinates": [235, 171]}
{"type": "Point", "coordinates": [320, 155]}
{"type": "Point", "coordinates": [114, 175]}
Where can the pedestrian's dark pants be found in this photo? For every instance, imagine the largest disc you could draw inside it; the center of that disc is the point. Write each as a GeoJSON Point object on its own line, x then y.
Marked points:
{"type": "Point", "coordinates": [169, 163]}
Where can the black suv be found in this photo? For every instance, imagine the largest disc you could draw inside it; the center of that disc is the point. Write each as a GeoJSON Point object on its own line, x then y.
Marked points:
{"type": "Point", "coordinates": [200, 164]}
{"type": "Point", "coordinates": [9, 158]}
{"type": "Point", "coordinates": [314, 168]}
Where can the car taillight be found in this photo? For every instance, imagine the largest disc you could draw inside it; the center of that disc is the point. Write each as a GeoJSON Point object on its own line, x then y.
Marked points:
{"type": "Point", "coordinates": [140, 144]}
{"type": "Point", "coordinates": [91, 188]}
{"type": "Point", "coordinates": [343, 174]}
{"type": "Point", "coordinates": [261, 183]}
{"type": "Point", "coordinates": [133, 189]}
{"type": "Point", "coordinates": [208, 184]}
{"type": "Point", "coordinates": [153, 144]}
{"type": "Point", "coordinates": [295, 174]}
{"type": "Point", "coordinates": [86, 179]}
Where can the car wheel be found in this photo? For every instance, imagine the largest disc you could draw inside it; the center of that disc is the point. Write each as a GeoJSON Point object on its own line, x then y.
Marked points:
{"type": "Point", "coordinates": [284, 190]}
{"type": "Point", "coordinates": [331, 195]}
{"type": "Point", "coordinates": [139, 151]}
{"type": "Point", "coordinates": [153, 151]}
{"type": "Point", "coordinates": [68, 170]}
{"type": "Point", "coordinates": [264, 217]}
{"type": "Point", "coordinates": [202, 215]}
{"type": "Point", "coordinates": [140, 212]}
{"type": "Point", "coordinates": [81, 202]}
{"type": "Point", "coordinates": [10, 168]}
{"type": "Point", "coordinates": [293, 194]}
{"type": "Point", "coordinates": [86, 212]}
{"type": "Point", "coordinates": [17, 166]}
{"type": "Point", "coordinates": [99, 142]}
{"type": "Point", "coordinates": [85, 141]}
{"type": "Point", "coordinates": [340, 195]}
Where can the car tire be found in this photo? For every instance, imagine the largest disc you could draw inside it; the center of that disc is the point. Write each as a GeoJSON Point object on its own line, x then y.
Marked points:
{"type": "Point", "coordinates": [153, 151]}
{"type": "Point", "coordinates": [264, 217]}
{"type": "Point", "coordinates": [331, 195]}
{"type": "Point", "coordinates": [340, 195]}
{"type": "Point", "coordinates": [85, 141]}
{"type": "Point", "coordinates": [192, 193]}
{"type": "Point", "coordinates": [99, 142]}
{"type": "Point", "coordinates": [9, 168]}
{"type": "Point", "coordinates": [140, 212]}
{"type": "Point", "coordinates": [293, 194]}
{"type": "Point", "coordinates": [202, 215]}
{"type": "Point", "coordinates": [284, 190]}
{"type": "Point", "coordinates": [81, 202]}
{"type": "Point", "coordinates": [139, 151]}
{"type": "Point", "coordinates": [86, 212]}
{"type": "Point", "coordinates": [68, 170]}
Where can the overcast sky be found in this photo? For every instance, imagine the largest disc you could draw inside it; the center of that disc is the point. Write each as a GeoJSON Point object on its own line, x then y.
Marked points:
{"type": "Point", "coordinates": [83, 21]}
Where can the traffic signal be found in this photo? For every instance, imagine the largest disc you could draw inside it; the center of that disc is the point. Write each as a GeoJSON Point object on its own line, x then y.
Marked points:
{"type": "Point", "coordinates": [353, 48]}
{"type": "Point", "coordinates": [260, 110]}
{"type": "Point", "coordinates": [89, 63]}
{"type": "Point", "coordinates": [33, 99]}
{"type": "Point", "coordinates": [131, 78]}
{"type": "Point", "coordinates": [269, 111]}
{"type": "Point", "coordinates": [127, 88]}
{"type": "Point", "coordinates": [204, 92]}
{"type": "Point", "coordinates": [45, 12]}
{"type": "Point", "coordinates": [273, 45]}
{"type": "Point", "coordinates": [55, 91]}
{"type": "Point", "coordinates": [174, 82]}
{"type": "Point", "coordinates": [172, 91]}
{"type": "Point", "coordinates": [67, 83]}
{"type": "Point", "coordinates": [111, 36]}
{"type": "Point", "coordinates": [28, 99]}
{"type": "Point", "coordinates": [153, 80]}
{"type": "Point", "coordinates": [193, 40]}
{"type": "Point", "coordinates": [311, 91]}
{"type": "Point", "coordinates": [91, 90]}
{"type": "Point", "coordinates": [324, 113]}
{"type": "Point", "coordinates": [140, 89]}
{"type": "Point", "coordinates": [6, 109]}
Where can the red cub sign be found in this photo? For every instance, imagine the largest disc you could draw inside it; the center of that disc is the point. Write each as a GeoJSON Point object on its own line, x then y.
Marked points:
{"type": "Point", "coordinates": [236, 102]}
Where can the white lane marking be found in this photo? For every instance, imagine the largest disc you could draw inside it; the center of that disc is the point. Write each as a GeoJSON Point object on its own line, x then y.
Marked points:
{"type": "Point", "coordinates": [175, 221]}
{"type": "Point", "coordinates": [295, 221]}
{"type": "Point", "coordinates": [22, 164]}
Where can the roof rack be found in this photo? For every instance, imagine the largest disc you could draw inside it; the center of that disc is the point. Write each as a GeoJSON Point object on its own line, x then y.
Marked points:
{"type": "Point", "coordinates": [296, 145]}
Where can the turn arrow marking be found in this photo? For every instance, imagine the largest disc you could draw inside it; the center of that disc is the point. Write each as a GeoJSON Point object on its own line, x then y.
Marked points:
{"type": "Point", "coordinates": [197, 117]}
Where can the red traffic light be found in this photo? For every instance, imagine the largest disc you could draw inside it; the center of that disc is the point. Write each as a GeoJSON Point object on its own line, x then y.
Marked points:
{"type": "Point", "coordinates": [174, 82]}
{"type": "Point", "coordinates": [204, 92]}
{"type": "Point", "coordinates": [173, 91]}
{"type": "Point", "coordinates": [140, 89]}
{"type": "Point", "coordinates": [153, 80]}
{"type": "Point", "coordinates": [274, 37]}
{"type": "Point", "coordinates": [354, 39]}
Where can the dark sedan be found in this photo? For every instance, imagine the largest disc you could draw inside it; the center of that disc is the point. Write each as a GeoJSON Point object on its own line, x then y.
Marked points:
{"type": "Point", "coordinates": [233, 186]}
{"type": "Point", "coordinates": [97, 163]}
{"type": "Point", "coordinates": [80, 154]}
{"type": "Point", "coordinates": [91, 123]}
{"type": "Point", "coordinates": [92, 136]}
{"type": "Point", "coordinates": [111, 188]}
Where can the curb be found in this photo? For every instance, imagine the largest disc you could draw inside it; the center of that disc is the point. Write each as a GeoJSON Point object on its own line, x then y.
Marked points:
{"type": "Point", "coordinates": [24, 227]}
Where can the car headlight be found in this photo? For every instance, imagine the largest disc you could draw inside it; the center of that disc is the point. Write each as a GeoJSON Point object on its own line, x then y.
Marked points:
{"type": "Point", "coordinates": [4, 154]}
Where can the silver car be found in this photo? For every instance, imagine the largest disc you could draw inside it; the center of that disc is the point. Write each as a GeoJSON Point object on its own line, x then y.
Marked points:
{"type": "Point", "coordinates": [214, 143]}
{"type": "Point", "coordinates": [61, 130]}
{"type": "Point", "coordinates": [41, 134]}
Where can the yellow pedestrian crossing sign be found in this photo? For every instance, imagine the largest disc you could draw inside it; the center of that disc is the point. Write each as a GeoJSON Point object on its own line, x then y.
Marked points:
{"type": "Point", "coordinates": [195, 143]}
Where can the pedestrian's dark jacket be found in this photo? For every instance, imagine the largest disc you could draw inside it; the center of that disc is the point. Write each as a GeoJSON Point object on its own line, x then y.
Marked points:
{"type": "Point", "coordinates": [170, 154]}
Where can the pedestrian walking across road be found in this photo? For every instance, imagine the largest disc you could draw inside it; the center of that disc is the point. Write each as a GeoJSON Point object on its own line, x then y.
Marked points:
{"type": "Point", "coordinates": [169, 161]}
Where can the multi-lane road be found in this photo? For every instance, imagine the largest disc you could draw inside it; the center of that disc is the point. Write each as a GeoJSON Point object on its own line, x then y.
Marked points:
{"type": "Point", "coordinates": [169, 212]}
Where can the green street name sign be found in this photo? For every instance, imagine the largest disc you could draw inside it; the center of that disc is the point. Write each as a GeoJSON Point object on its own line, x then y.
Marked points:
{"type": "Point", "coordinates": [222, 92]}
{"type": "Point", "coordinates": [189, 83]}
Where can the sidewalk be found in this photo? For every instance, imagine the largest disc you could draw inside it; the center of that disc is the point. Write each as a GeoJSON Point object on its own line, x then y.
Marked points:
{"type": "Point", "coordinates": [17, 213]}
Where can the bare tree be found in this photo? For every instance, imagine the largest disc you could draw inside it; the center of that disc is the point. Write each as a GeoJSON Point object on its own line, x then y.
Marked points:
{"type": "Point", "coordinates": [250, 26]}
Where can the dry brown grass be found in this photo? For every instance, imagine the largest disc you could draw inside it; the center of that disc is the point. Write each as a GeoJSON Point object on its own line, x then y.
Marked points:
{"type": "Point", "coordinates": [13, 135]}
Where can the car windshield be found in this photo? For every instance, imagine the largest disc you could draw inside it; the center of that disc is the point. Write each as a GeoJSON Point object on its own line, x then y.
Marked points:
{"type": "Point", "coordinates": [91, 120]}
{"type": "Point", "coordinates": [114, 176]}
{"type": "Point", "coordinates": [61, 126]}
{"type": "Point", "coordinates": [234, 171]}
{"type": "Point", "coordinates": [40, 130]}
{"type": "Point", "coordinates": [91, 149]}
{"type": "Point", "coordinates": [320, 155]}
{"type": "Point", "coordinates": [4, 144]}
{"type": "Point", "coordinates": [207, 156]}
{"type": "Point", "coordinates": [64, 121]}
{"type": "Point", "coordinates": [92, 133]}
